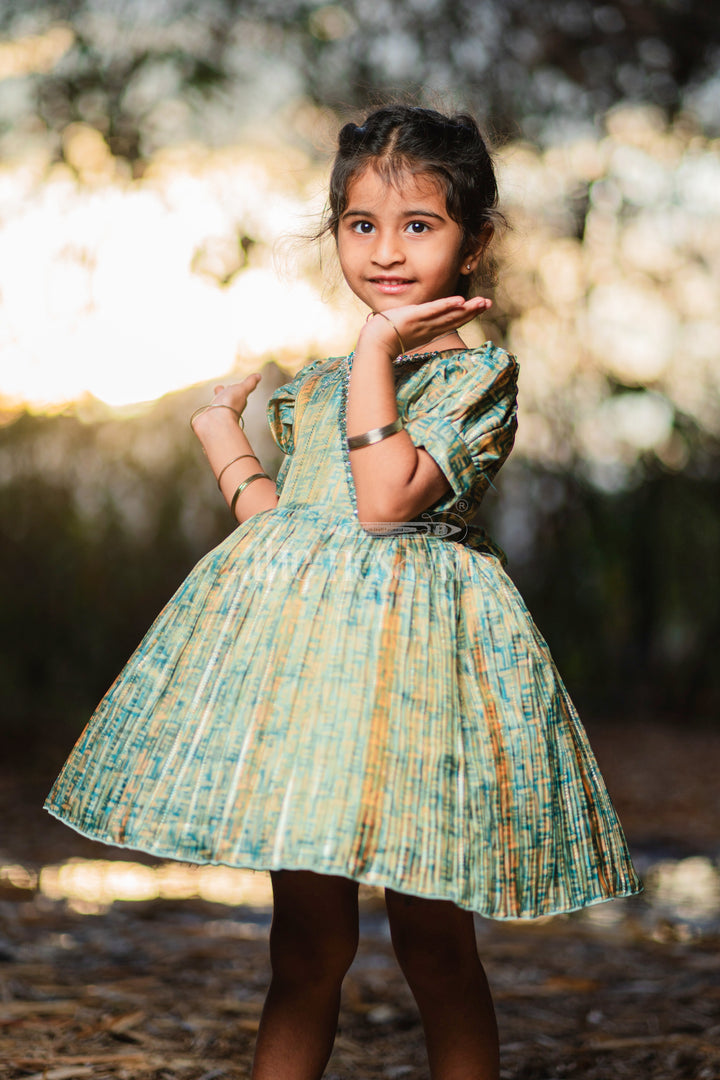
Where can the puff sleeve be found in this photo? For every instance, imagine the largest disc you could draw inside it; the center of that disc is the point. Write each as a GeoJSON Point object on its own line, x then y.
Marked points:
{"type": "Point", "coordinates": [465, 416]}
{"type": "Point", "coordinates": [281, 408]}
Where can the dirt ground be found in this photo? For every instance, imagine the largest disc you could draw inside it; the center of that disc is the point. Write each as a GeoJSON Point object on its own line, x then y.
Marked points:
{"type": "Point", "coordinates": [158, 990]}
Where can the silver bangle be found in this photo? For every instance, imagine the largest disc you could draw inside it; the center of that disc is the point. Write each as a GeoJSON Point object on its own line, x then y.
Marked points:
{"type": "Point", "coordinates": [226, 467]}
{"type": "Point", "coordinates": [241, 487]}
{"type": "Point", "coordinates": [217, 405]}
{"type": "Point", "coordinates": [375, 435]}
{"type": "Point", "coordinates": [388, 319]}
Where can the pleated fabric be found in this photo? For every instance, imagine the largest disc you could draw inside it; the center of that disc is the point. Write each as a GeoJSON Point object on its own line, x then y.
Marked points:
{"type": "Point", "coordinates": [377, 705]}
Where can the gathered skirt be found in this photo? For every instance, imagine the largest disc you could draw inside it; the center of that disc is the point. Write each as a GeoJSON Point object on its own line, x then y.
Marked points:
{"type": "Point", "coordinates": [381, 708]}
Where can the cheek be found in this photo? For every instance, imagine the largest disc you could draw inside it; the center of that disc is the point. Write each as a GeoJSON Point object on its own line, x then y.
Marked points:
{"type": "Point", "coordinates": [449, 267]}
{"type": "Point", "coordinates": [346, 248]}
{"type": "Point", "coordinates": [341, 255]}
{"type": "Point", "coordinates": [454, 267]}
{"type": "Point", "coordinates": [347, 261]}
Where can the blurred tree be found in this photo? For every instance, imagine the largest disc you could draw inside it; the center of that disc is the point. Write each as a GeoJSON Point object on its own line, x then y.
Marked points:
{"type": "Point", "coordinates": [624, 585]}
{"type": "Point", "coordinates": [609, 510]}
{"type": "Point", "coordinates": [138, 71]}
{"type": "Point", "coordinates": [89, 554]}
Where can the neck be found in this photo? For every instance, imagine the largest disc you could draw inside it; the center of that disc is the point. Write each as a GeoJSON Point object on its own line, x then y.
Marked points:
{"type": "Point", "coordinates": [451, 337]}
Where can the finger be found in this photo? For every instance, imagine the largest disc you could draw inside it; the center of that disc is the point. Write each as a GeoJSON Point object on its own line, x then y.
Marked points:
{"type": "Point", "coordinates": [471, 307]}
{"type": "Point", "coordinates": [470, 315]}
{"type": "Point", "coordinates": [456, 317]}
{"type": "Point", "coordinates": [445, 303]}
{"type": "Point", "coordinates": [449, 308]}
{"type": "Point", "coordinates": [467, 318]}
{"type": "Point", "coordinates": [476, 303]}
{"type": "Point", "coordinates": [218, 389]}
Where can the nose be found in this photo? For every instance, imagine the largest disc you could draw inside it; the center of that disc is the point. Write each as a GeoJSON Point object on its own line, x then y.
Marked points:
{"type": "Point", "coordinates": [387, 250]}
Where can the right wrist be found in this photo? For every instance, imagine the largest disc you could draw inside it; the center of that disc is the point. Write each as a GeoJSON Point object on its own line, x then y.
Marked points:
{"type": "Point", "coordinates": [380, 322]}
{"type": "Point", "coordinates": [379, 340]}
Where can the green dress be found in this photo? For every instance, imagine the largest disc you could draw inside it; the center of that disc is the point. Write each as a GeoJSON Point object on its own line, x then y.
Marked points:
{"type": "Point", "coordinates": [373, 704]}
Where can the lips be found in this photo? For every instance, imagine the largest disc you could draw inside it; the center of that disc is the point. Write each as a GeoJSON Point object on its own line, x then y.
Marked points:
{"type": "Point", "coordinates": [391, 284]}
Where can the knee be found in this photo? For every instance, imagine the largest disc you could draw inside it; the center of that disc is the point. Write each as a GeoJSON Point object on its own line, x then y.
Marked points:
{"type": "Point", "coordinates": [430, 963]}
{"type": "Point", "coordinates": [302, 955]}
{"type": "Point", "coordinates": [434, 953]}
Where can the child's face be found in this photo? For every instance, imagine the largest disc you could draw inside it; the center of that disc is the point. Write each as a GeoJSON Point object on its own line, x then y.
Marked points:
{"type": "Point", "coordinates": [396, 243]}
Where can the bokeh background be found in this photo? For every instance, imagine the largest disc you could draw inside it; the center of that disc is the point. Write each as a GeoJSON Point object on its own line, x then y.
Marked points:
{"type": "Point", "coordinates": [162, 161]}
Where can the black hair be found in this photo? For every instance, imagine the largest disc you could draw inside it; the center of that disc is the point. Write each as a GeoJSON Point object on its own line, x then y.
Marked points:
{"type": "Point", "coordinates": [396, 139]}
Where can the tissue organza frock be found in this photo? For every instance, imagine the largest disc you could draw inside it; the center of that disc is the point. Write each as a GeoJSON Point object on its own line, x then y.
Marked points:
{"type": "Point", "coordinates": [372, 704]}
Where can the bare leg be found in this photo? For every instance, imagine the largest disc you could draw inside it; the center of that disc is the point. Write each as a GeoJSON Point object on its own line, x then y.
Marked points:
{"type": "Point", "coordinates": [313, 940]}
{"type": "Point", "coordinates": [434, 942]}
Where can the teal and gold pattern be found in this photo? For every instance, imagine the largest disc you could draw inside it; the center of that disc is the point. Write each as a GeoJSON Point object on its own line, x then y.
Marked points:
{"type": "Point", "coordinates": [378, 705]}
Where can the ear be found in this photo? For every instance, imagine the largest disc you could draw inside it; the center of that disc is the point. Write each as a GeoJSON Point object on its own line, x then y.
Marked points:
{"type": "Point", "coordinates": [473, 255]}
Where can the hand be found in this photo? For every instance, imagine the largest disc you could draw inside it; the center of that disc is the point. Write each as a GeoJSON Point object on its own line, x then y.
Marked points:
{"type": "Point", "coordinates": [236, 394]}
{"type": "Point", "coordinates": [418, 324]}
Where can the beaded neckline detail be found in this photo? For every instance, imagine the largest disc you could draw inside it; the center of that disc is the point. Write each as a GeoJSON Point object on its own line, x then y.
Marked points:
{"type": "Point", "coordinates": [408, 358]}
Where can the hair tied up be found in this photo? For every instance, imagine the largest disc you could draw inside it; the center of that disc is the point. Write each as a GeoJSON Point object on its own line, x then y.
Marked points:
{"type": "Point", "coordinates": [350, 135]}
{"type": "Point", "coordinates": [397, 139]}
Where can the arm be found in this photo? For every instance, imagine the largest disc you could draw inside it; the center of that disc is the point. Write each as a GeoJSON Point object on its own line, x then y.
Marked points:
{"type": "Point", "coordinates": [394, 480]}
{"type": "Point", "coordinates": [222, 440]}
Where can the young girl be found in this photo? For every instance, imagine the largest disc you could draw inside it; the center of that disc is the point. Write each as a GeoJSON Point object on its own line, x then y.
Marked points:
{"type": "Point", "coordinates": [349, 688]}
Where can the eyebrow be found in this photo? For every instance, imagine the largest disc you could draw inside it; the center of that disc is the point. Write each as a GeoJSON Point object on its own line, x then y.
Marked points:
{"type": "Point", "coordinates": [407, 214]}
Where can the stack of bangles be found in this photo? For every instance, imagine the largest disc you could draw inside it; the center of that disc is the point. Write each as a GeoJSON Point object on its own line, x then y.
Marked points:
{"type": "Point", "coordinates": [248, 480]}
{"type": "Point", "coordinates": [353, 443]}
